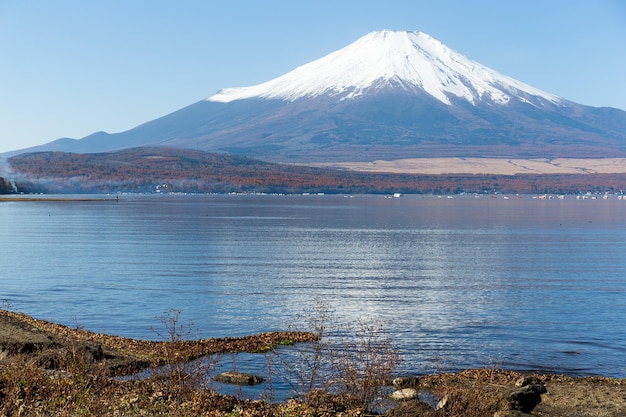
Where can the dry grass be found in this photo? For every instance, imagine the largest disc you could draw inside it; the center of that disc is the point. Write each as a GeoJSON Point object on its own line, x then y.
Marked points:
{"type": "Point", "coordinates": [60, 379]}
{"type": "Point", "coordinates": [503, 166]}
{"type": "Point", "coordinates": [351, 372]}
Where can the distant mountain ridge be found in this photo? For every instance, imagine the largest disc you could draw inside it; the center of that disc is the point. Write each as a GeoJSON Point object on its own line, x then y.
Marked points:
{"type": "Point", "coordinates": [389, 95]}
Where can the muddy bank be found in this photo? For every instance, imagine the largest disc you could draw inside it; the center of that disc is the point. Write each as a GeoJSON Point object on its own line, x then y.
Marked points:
{"type": "Point", "coordinates": [46, 342]}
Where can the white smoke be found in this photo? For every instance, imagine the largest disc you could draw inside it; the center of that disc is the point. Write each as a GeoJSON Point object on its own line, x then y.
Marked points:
{"type": "Point", "coordinates": [7, 173]}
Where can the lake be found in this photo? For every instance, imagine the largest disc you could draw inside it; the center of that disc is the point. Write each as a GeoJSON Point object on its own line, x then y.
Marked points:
{"type": "Point", "coordinates": [524, 283]}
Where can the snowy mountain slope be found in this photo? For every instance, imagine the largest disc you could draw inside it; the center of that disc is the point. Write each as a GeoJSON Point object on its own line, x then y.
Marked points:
{"type": "Point", "coordinates": [389, 95]}
{"type": "Point", "coordinates": [412, 60]}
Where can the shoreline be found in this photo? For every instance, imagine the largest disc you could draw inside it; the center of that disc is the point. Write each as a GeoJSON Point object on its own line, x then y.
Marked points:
{"type": "Point", "coordinates": [25, 341]}
{"type": "Point", "coordinates": [21, 333]}
{"type": "Point", "coordinates": [53, 199]}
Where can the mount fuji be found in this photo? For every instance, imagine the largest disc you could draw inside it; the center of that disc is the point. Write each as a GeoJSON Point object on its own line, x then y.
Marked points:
{"type": "Point", "coordinates": [389, 95]}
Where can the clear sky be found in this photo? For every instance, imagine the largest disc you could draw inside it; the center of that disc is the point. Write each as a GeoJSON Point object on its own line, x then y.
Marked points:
{"type": "Point", "coordinates": [69, 68]}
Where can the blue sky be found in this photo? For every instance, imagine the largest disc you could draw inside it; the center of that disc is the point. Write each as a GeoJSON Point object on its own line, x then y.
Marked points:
{"type": "Point", "coordinates": [69, 68]}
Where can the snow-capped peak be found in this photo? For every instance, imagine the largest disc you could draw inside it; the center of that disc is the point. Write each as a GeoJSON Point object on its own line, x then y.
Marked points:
{"type": "Point", "coordinates": [408, 59]}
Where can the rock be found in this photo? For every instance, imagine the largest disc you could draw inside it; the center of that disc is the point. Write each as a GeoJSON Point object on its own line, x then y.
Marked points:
{"type": "Point", "coordinates": [405, 382]}
{"type": "Point", "coordinates": [238, 378]}
{"type": "Point", "coordinates": [526, 398]}
{"type": "Point", "coordinates": [92, 353]}
{"type": "Point", "coordinates": [443, 402]}
{"type": "Point", "coordinates": [404, 394]}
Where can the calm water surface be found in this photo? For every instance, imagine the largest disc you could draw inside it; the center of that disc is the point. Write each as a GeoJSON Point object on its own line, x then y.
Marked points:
{"type": "Point", "coordinates": [525, 284]}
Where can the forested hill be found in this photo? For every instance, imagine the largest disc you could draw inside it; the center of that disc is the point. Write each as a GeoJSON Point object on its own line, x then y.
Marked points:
{"type": "Point", "coordinates": [192, 171]}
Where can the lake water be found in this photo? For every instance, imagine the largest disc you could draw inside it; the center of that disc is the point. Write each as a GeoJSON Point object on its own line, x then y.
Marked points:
{"type": "Point", "coordinates": [524, 284]}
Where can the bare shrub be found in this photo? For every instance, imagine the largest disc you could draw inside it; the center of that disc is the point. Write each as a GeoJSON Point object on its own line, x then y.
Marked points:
{"type": "Point", "coordinates": [20, 382]}
{"type": "Point", "coordinates": [364, 364]}
{"type": "Point", "coordinates": [74, 387]}
{"type": "Point", "coordinates": [307, 366]}
{"type": "Point", "coordinates": [352, 364]}
{"type": "Point", "coordinates": [177, 373]}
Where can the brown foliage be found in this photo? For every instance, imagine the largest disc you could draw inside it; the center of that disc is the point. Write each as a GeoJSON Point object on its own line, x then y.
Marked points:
{"type": "Point", "coordinates": [184, 170]}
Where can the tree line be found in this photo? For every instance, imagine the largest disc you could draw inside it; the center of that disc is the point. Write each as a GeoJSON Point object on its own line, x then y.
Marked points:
{"type": "Point", "coordinates": [184, 170]}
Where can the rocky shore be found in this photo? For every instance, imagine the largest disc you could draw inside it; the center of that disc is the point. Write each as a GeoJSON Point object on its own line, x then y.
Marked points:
{"type": "Point", "coordinates": [50, 369]}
